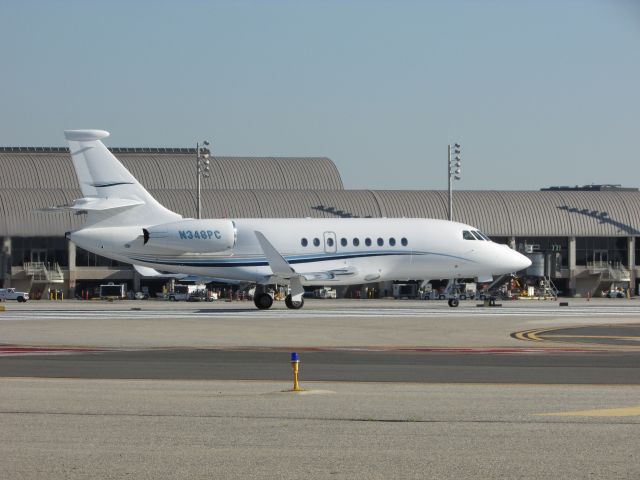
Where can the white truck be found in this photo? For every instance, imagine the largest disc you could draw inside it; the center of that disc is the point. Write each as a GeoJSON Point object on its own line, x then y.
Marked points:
{"type": "Point", "coordinates": [191, 293]}
{"type": "Point", "coordinates": [12, 294]}
{"type": "Point", "coordinates": [325, 293]}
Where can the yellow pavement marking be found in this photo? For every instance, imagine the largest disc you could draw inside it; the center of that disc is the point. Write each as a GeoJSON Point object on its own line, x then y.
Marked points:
{"type": "Point", "coordinates": [603, 412]}
{"type": "Point", "coordinates": [534, 335]}
{"type": "Point", "coordinates": [615, 337]}
{"type": "Point", "coordinates": [529, 335]}
{"type": "Point", "coordinates": [548, 334]}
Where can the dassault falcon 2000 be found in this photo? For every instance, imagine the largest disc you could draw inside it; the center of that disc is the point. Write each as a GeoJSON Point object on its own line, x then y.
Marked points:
{"type": "Point", "coordinates": [125, 223]}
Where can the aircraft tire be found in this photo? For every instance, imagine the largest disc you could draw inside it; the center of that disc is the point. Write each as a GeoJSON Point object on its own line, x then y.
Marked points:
{"type": "Point", "coordinates": [263, 301]}
{"type": "Point", "coordinates": [293, 305]}
{"type": "Point", "coordinates": [454, 302]}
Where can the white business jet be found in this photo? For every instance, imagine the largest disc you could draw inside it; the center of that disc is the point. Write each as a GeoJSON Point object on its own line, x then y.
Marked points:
{"type": "Point", "coordinates": [125, 223]}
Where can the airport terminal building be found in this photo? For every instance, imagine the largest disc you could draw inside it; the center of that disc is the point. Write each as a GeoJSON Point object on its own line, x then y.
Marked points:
{"type": "Point", "coordinates": [584, 239]}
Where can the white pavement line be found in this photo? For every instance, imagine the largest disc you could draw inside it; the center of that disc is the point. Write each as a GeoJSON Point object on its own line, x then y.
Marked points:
{"type": "Point", "coordinates": [355, 313]}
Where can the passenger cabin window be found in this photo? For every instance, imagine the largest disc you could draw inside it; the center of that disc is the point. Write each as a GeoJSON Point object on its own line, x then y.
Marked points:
{"type": "Point", "coordinates": [330, 242]}
{"type": "Point", "coordinates": [477, 235]}
{"type": "Point", "coordinates": [367, 242]}
{"type": "Point", "coordinates": [356, 242]}
{"type": "Point", "coordinates": [304, 242]}
{"type": "Point", "coordinates": [316, 242]}
{"type": "Point", "coordinates": [466, 234]}
{"type": "Point", "coordinates": [343, 242]}
{"type": "Point", "coordinates": [380, 242]}
{"type": "Point", "coordinates": [404, 242]}
{"type": "Point", "coordinates": [392, 242]}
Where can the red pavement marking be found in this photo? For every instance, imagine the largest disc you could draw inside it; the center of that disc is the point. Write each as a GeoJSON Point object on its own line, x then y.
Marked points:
{"type": "Point", "coordinates": [9, 350]}
{"type": "Point", "coordinates": [474, 350]}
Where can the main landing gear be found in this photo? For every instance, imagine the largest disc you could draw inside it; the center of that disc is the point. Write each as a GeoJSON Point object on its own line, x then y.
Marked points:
{"type": "Point", "coordinates": [264, 301]}
{"type": "Point", "coordinates": [292, 304]}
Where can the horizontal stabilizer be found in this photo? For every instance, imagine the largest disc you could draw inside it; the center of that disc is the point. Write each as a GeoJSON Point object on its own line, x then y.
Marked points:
{"type": "Point", "coordinates": [85, 135]}
{"type": "Point", "coordinates": [95, 205]}
{"type": "Point", "coordinates": [107, 185]}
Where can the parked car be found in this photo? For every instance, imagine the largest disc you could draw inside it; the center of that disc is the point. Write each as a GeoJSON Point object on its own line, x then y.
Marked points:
{"type": "Point", "coordinates": [614, 294]}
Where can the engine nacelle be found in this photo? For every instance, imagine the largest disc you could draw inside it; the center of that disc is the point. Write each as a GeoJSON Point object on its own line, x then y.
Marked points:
{"type": "Point", "coordinates": [193, 236]}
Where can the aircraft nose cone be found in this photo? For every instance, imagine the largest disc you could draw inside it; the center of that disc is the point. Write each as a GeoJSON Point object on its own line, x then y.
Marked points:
{"type": "Point", "coordinates": [510, 261]}
{"type": "Point", "coordinates": [520, 262]}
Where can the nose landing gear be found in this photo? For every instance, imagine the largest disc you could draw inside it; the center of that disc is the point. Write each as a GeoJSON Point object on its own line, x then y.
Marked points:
{"type": "Point", "coordinates": [454, 302]}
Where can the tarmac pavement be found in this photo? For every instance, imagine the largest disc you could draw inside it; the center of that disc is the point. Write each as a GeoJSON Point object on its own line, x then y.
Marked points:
{"type": "Point", "coordinates": [184, 429]}
{"type": "Point", "coordinates": [321, 323]}
{"type": "Point", "coordinates": [163, 428]}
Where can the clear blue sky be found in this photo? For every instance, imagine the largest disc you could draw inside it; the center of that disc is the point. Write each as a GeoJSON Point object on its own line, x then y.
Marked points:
{"type": "Point", "coordinates": [539, 93]}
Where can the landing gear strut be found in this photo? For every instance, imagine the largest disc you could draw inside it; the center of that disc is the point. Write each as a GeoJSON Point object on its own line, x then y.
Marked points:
{"type": "Point", "coordinates": [263, 300]}
{"type": "Point", "coordinates": [290, 303]}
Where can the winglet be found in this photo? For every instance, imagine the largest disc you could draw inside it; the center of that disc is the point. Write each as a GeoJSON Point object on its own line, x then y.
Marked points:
{"type": "Point", "coordinates": [279, 266]}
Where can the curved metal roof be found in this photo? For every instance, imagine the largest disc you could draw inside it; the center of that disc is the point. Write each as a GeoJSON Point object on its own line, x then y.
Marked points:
{"type": "Point", "coordinates": [51, 168]}
{"type": "Point", "coordinates": [498, 213]}
{"type": "Point", "coordinates": [272, 187]}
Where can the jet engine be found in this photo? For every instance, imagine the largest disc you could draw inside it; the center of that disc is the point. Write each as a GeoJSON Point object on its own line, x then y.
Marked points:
{"type": "Point", "coordinates": [193, 236]}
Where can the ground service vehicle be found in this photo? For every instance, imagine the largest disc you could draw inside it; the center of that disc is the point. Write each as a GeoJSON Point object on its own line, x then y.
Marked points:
{"type": "Point", "coordinates": [188, 292]}
{"type": "Point", "coordinates": [12, 294]}
{"type": "Point", "coordinates": [112, 291]}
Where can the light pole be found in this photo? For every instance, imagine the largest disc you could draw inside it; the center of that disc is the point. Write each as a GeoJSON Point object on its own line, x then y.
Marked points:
{"type": "Point", "coordinates": [453, 172]}
{"type": "Point", "coordinates": [202, 168]}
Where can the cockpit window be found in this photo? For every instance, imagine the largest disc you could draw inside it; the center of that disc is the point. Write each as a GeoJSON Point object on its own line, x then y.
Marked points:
{"type": "Point", "coordinates": [466, 234]}
{"type": "Point", "coordinates": [477, 235]}
{"type": "Point", "coordinates": [484, 236]}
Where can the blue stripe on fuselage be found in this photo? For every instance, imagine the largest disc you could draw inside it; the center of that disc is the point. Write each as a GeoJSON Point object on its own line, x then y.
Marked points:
{"type": "Point", "coordinates": [261, 262]}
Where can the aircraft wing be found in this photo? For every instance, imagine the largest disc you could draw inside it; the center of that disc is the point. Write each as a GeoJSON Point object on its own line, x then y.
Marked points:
{"type": "Point", "coordinates": [148, 272]}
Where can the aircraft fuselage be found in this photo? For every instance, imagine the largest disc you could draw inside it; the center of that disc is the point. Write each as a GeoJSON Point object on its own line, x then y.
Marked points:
{"type": "Point", "coordinates": [356, 250]}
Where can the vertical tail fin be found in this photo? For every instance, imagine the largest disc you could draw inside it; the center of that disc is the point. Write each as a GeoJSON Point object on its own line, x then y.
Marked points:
{"type": "Point", "coordinates": [102, 176]}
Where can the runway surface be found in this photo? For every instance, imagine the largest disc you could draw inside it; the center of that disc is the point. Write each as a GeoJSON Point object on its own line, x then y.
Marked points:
{"type": "Point", "coordinates": [377, 341]}
{"type": "Point", "coordinates": [163, 310]}
{"type": "Point", "coordinates": [382, 366]}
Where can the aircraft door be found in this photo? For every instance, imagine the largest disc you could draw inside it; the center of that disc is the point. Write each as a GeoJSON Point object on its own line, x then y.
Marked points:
{"type": "Point", "coordinates": [330, 244]}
